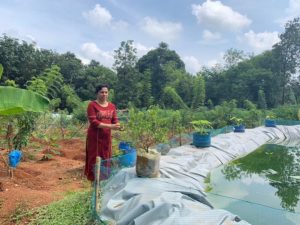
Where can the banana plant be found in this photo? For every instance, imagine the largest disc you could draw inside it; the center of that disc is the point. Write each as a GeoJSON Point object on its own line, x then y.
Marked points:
{"type": "Point", "coordinates": [17, 101]}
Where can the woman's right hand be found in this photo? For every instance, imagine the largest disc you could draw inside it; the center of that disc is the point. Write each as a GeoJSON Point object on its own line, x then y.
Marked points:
{"type": "Point", "coordinates": [115, 126]}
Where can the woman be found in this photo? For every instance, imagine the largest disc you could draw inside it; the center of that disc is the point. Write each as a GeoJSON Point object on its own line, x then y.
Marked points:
{"type": "Point", "coordinates": [103, 118]}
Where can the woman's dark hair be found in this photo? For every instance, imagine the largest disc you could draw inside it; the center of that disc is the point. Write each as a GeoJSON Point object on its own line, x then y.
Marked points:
{"type": "Point", "coordinates": [99, 87]}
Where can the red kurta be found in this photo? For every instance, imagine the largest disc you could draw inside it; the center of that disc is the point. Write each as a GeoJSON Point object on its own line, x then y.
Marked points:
{"type": "Point", "coordinates": [98, 141]}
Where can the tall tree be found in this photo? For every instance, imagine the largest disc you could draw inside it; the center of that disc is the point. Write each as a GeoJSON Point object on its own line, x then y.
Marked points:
{"type": "Point", "coordinates": [93, 75]}
{"type": "Point", "coordinates": [70, 67]}
{"type": "Point", "coordinates": [287, 52]}
{"type": "Point", "coordinates": [199, 92]}
{"type": "Point", "coordinates": [261, 102]}
{"type": "Point", "coordinates": [154, 61]}
{"type": "Point", "coordinates": [127, 74]}
{"type": "Point", "coordinates": [233, 56]}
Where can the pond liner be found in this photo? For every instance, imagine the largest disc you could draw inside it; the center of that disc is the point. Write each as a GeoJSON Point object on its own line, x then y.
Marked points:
{"type": "Point", "coordinates": [177, 197]}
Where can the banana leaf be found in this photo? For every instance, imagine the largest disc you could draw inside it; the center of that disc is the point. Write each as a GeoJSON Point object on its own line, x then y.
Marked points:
{"type": "Point", "coordinates": [16, 101]}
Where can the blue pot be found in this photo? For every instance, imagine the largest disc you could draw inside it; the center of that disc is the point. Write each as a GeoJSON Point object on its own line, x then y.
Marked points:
{"type": "Point", "coordinates": [239, 128]}
{"type": "Point", "coordinates": [14, 158]}
{"type": "Point", "coordinates": [201, 140]}
{"type": "Point", "coordinates": [129, 159]}
{"type": "Point", "coordinates": [125, 146]}
{"type": "Point", "coordinates": [270, 123]}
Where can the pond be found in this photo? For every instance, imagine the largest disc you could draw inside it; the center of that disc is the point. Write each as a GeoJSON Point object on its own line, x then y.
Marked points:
{"type": "Point", "coordinates": [261, 188]}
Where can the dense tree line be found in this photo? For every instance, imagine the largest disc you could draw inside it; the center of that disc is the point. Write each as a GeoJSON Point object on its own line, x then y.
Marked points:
{"type": "Point", "coordinates": [159, 77]}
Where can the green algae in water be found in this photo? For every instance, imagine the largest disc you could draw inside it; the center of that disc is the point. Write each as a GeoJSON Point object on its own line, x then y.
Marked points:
{"type": "Point", "coordinates": [262, 188]}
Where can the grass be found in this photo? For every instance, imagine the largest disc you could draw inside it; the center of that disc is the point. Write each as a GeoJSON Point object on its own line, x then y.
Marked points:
{"type": "Point", "coordinates": [75, 208]}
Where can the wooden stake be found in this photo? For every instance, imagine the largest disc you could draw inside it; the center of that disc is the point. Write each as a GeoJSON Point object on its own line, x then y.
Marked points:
{"type": "Point", "coordinates": [97, 184]}
{"type": "Point", "coordinates": [11, 172]}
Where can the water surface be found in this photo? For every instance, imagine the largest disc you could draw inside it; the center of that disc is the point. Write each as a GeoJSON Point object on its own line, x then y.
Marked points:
{"type": "Point", "coordinates": [262, 188]}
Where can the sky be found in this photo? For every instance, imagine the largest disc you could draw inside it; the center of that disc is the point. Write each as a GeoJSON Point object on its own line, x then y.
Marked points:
{"type": "Point", "coordinates": [200, 31]}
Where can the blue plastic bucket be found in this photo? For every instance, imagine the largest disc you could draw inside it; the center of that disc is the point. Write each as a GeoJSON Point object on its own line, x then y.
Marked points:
{"type": "Point", "coordinates": [270, 123]}
{"type": "Point", "coordinates": [128, 159]}
{"type": "Point", "coordinates": [239, 129]}
{"type": "Point", "coordinates": [14, 158]}
{"type": "Point", "coordinates": [201, 141]}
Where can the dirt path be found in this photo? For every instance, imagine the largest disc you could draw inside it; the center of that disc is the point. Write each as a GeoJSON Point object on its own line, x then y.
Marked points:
{"type": "Point", "coordinates": [36, 183]}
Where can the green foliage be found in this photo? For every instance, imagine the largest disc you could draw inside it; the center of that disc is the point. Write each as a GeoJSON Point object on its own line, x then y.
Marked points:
{"type": "Point", "coordinates": [79, 112]}
{"type": "Point", "coordinates": [69, 99]}
{"type": "Point", "coordinates": [172, 99]}
{"type": "Point", "coordinates": [19, 213]}
{"type": "Point", "coordinates": [75, 208]}
{"type": "Point", "coordinates": [199, 92]}
{"type": "Point", "coordinates": [53, 80]}
{"type": "Point", "coordinates": [93, 75]}
{"type": "Point", "coordinates": [236, 121]}
{"type": "Point", "coordinates": [25, 124]}
{"type": "Point", "coordinates": [146, 128]}
{"type": "Point", "coordinates": [249, 105]}
{"type": "Point", "coordinates": [232, 57]}
{"type": "Point", "coordinates": [270, 117]}
{"type": "Point", "coordinates": [154, 61]}
{"type": "Point", "coordinates": [144, 90]}
{"type": "Point", "coordinates": [289, 112]}
{"type": "Point", "coordinates": [1, 70]}
{"type": "Point", "coordinates": [127, 74]}
{"type": "Point", "coordinates": [37, 85]}
{"type": "Point", "coordinates": [221, 114]}
{"type": "Point", "coordinates": [262, 104]}
{"type": "Point", "coordinates": [202, 126]}
{"type": "Point", "coordinates": [10, 83]}
{"type": "Point", "coordinates": [287, 53]}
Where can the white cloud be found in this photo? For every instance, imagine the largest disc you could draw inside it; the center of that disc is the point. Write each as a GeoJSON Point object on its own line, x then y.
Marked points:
{"type": "Point", "coordinates": [120, 25]}
{"type": "Point", "coordinates": [211, 36]}
{"type": "Point", "coordinates": [98, 16]}
{"type": "Point", "coordinates": [217, 16]}
{"type": "Point", "coordinates": [192, 64]}
{"type": "Point", "coordinates": [166, 31]}
{"type": "Point", "coordinates": [292, 11]}
{"type": "Point", "coordinates": [91, 51]}
{"type": "Point", "coordinates": [141, 49]}
{"type": "Point", "coordinates": [261, 41]}
{"type": "Point", "coordinates": [294, 8]}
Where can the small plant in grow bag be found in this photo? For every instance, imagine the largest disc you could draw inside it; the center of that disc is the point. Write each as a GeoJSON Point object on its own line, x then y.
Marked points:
{"type": "Point", "coordinates": [145, 129]}
{"type": "Point", "coordinates": [270, 120]}
{"type": "Point", "coordinates": [201, 136]}
{"type": "Point", "coordinates": [236, 121]}
{"type": "Point", "coordinates": [237, 124]}
{"type": "Point", "coordinates": [202, 126]}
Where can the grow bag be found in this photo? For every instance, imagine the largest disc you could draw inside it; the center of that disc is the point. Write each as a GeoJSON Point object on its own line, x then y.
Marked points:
{"type": "Point", "coordinates": [201, 140]}
{"type": "Point", "coordinates": [239, 129]}
{"type": "Point", "coordinates": [270, 123]}
{"type": "Point", "coordinates": [14, 158]}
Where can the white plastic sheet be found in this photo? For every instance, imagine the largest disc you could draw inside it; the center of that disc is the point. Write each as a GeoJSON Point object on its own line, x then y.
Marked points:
{"type": "Point", "coordinates": [177, 198]}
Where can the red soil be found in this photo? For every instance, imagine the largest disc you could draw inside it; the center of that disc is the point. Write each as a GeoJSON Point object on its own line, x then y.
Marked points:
{"type": "Point", "coordinates": [39, 182]}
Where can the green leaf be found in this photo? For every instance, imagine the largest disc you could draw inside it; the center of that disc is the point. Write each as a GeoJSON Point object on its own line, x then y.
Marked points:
{"type": "Point", "coordinates": [1, 70]}
{"type": "Point", "coordinates": [17, 101]}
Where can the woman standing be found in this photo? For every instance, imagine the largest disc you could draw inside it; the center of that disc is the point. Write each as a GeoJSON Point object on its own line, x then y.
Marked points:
{"type": "Point", "coordinates": [103, 118]}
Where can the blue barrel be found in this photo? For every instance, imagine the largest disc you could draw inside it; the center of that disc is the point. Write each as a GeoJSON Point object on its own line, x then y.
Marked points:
{"type": "Point", "coordinates": [14, 158]}
{"type": "Point", "coordinates": [201, 141]}
{"type": "Point", "coordinates": [128, 159]}
{"type": "Point", "coordinates": [125, 146]}
{"type": "Point", "coordinates": [270, 123]}
{"type": "Point", "coordinates": [239, 129]}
